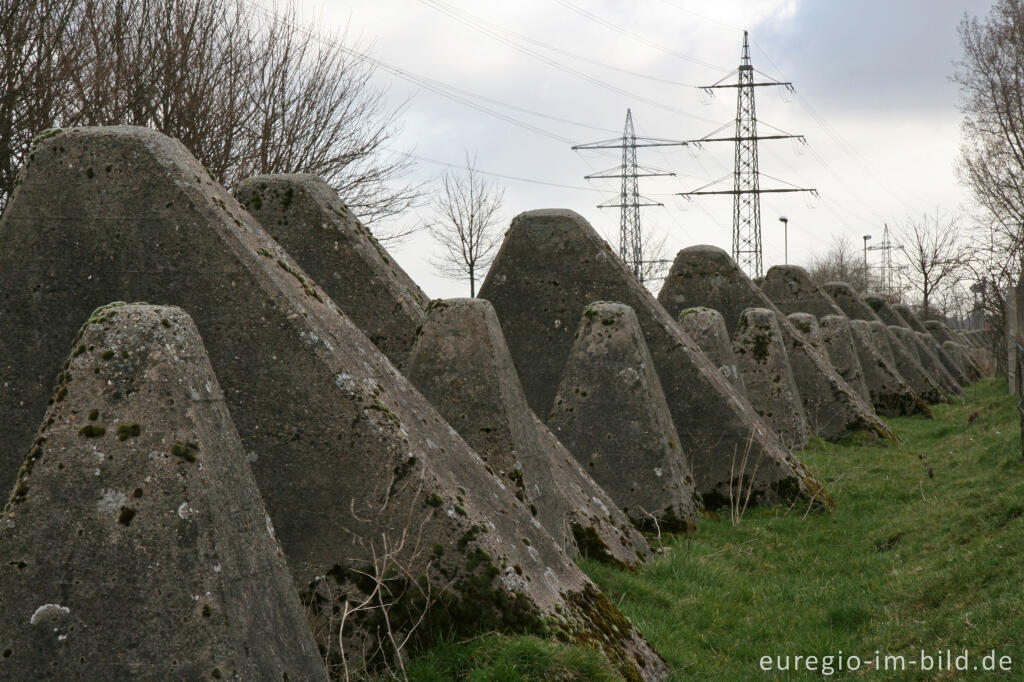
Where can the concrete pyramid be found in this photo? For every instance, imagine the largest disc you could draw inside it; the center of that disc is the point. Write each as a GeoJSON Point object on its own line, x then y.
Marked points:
{"type": "Point", "coordinates": [359, 473]}
{"type": "Point", "coordinates": [706, 275]}
{"type": "Point", "coordinates": [903, 359]}
{"type": "Point", "coordinates": [961, 373]}
{"type": "Point", "coordinates": [941, 332]}
{"type": "Point", "coordinates": [928, 359]}
{"type": "Point", "coordinates": [791, 289]}
{"type": "Point", "coordinates": [891, 394]}
{"type": "Point", "coordinates": [835, 334]}
{"type": "Point", "coordinates": [975, 343]}
{"type": "Point", "coordinates": [460, 362]}
{"type": "Point", "coordinates": [962, 356]}
{"type": "Point", "coordinates": [707, 328]}
{"type": "Point", "coordinates": [135, 542]}
{"type": "Point", "coordinates": [902, 330]}
{"type": "Point", "coordinates": [906, 361]}
{"type": "Point", "coordinates": [908, 316]}
{"type": "Point", "coordinates": [840, 343]}
{"type": "Point", "coordinates": [791, 285]}
{"type": "Point", "coordinates": [764, 364]}
{"type": "Point", "coordinates": [613, 538]}
{"type": "Point", "coordinates": [304, 214]}
{"type": "Point", "coordinates": [550, 267]}
{"type": "Point", "coordinates": [884, 310]}
{"type": "Point", "coordinates": [850, 301]}
{"type": "Point", "coordinates": [610, 413]}
{"type": "Point", "coordinates": [951, 365]}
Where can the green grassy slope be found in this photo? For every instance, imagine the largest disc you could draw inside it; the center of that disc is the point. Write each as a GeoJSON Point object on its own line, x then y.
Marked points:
{"type": "Point", "coordinates": [923, 552]}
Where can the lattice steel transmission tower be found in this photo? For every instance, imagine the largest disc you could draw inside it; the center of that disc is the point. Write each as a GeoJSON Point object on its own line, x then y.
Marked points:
{"type": "Point", "coordinates": [887, 274]}
{"type": "Point", "coordinates": [631, 240]}
{"type": "Point", "coordinates": [746, 191]}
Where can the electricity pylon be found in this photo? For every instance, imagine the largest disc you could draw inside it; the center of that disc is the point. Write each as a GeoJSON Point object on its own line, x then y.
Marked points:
{"type": "Point", "coordinates": [888, 271]}
{"type": "Point", "coordinates": [630, 235]}
{"type": "Point", "coordinates": [746, 191]}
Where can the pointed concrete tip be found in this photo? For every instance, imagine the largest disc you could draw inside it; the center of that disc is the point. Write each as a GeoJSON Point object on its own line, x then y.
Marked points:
{"type": "Point", "coordinates": [706, 327]}
{"type": "Point", "coordinates": [793, 291]}
{"type": "Point", "coordinates": [788, 271]}
{"type": "Point", "coordinates": [308, 218]}
{"type": "Point", "coordinates": [839, 286]}
{"type": "Point", "coordinates": [703, 257]}
{"type": "Point", "coordinates": [704, 250]}
{"type": "Point", "coordinates": [548, 217]}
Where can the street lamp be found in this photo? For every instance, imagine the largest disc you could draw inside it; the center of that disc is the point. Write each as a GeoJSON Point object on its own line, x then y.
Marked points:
{"type": "Point", "coordinates": [785, 231]}
{"type": "Point", "coordinates": [867, 238]}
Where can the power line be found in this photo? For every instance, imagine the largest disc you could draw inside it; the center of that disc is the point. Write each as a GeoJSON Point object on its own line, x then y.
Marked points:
{"type": "Point", "coordinates": [432, 85]}
{"type": "Point", "coordinates": [481, 26]}
{"type": "Point", "coordinates": [494, 174]}
{"type": "Point", "coordinates": [635, 36]}
{"type": "Point", "coordinates": [552, 48]}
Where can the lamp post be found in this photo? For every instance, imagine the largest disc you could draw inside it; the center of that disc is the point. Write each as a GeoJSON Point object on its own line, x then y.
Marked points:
{"type": "Point", "coordinates": [785, 232]}
{"type": "Point", "coordinates": [867, 238]}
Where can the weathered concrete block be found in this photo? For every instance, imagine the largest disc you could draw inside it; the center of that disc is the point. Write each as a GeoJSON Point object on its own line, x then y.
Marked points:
{"type": "Point", "coordinates": [959, 372]}
{"type": "Point", "coordinates": [884, 310]}
{"type": "Point", "coordinates": [707, 328]}
{"type": "Point", "coordinates": [612, 537]}
{"type": "Point", "coordinates": [902, 330]}
{"type": "Point", "coordinates": [460, 362]}
{"type": "Point", "coordinates": [135, 543]}
{"type": "Point", "coordinates": [980, 345]}
{"type": "Point", "coordinates": [360, 474]}
{"type": "Point", "coordinates": [907, 315]}
{"type": "Point", "coordinates": [764, 364]}
{"type": "Point", "coordinates": [896, 352]}
{"type": "Point", "coordinates": [849, 301]}
{"type": "Point", "coordinates": [837, 345]}
{"type": "Point", "coordinates": [941, 332]}
{"type": "Point", "coordinates": [951, 365]}
{"type": "Point", "coordinates": [891, 394]}
{"type": "Point", "coordinates": [706, 275]}
{"type": "Point", "coordinates": [929, 361]}
{"type": "Point", "coordinates": [791, 289]}
{"type": "Point", "coordinates": [908, 365]}
{"type": "Point", "coordinates": [611, 414]}
{"type": "Point", "coordinates": [964, 358]}
{"type": "Point", "coordinates": [550, 267]}
{"type": "Point", "coordinates": [314, 226]}
{"type": "Point", "coordinates": [838, 339]}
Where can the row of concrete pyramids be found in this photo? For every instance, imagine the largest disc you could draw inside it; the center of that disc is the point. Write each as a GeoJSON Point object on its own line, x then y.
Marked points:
{"type": "Point", "coordinates": [424, 477]}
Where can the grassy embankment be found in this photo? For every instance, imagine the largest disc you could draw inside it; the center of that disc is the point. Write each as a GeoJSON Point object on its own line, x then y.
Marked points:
{"type": "Point", "coordinates": [924, 552]}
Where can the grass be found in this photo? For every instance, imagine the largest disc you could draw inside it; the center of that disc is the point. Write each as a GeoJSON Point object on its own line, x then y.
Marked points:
{"type": "Point", "coordinates": [923, 553]}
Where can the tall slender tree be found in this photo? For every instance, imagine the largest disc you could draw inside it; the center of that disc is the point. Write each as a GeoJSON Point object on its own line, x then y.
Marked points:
{"type": "Point", "coordinates": [466, 224]}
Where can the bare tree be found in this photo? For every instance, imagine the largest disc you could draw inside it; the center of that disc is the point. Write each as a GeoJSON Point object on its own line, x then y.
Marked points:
{"type": "Point", "coordinates": [656, 260]}
{"type": "Point", "coordinates": [40, 51]}
{"type": "Point", "coordinates": [466, 224]}
{"type": "Point", "coordinates": [991, 80]}
{"type": "Point", "coordinates": [247, 90]}
{"type": "Point", "coordinates": [936, 255]}
{"type": "Point", "coordinates": [843, 262]}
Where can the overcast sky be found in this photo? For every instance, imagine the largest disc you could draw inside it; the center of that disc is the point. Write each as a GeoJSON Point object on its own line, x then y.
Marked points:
{"type": "Point", "coordinates": [873, 97]}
